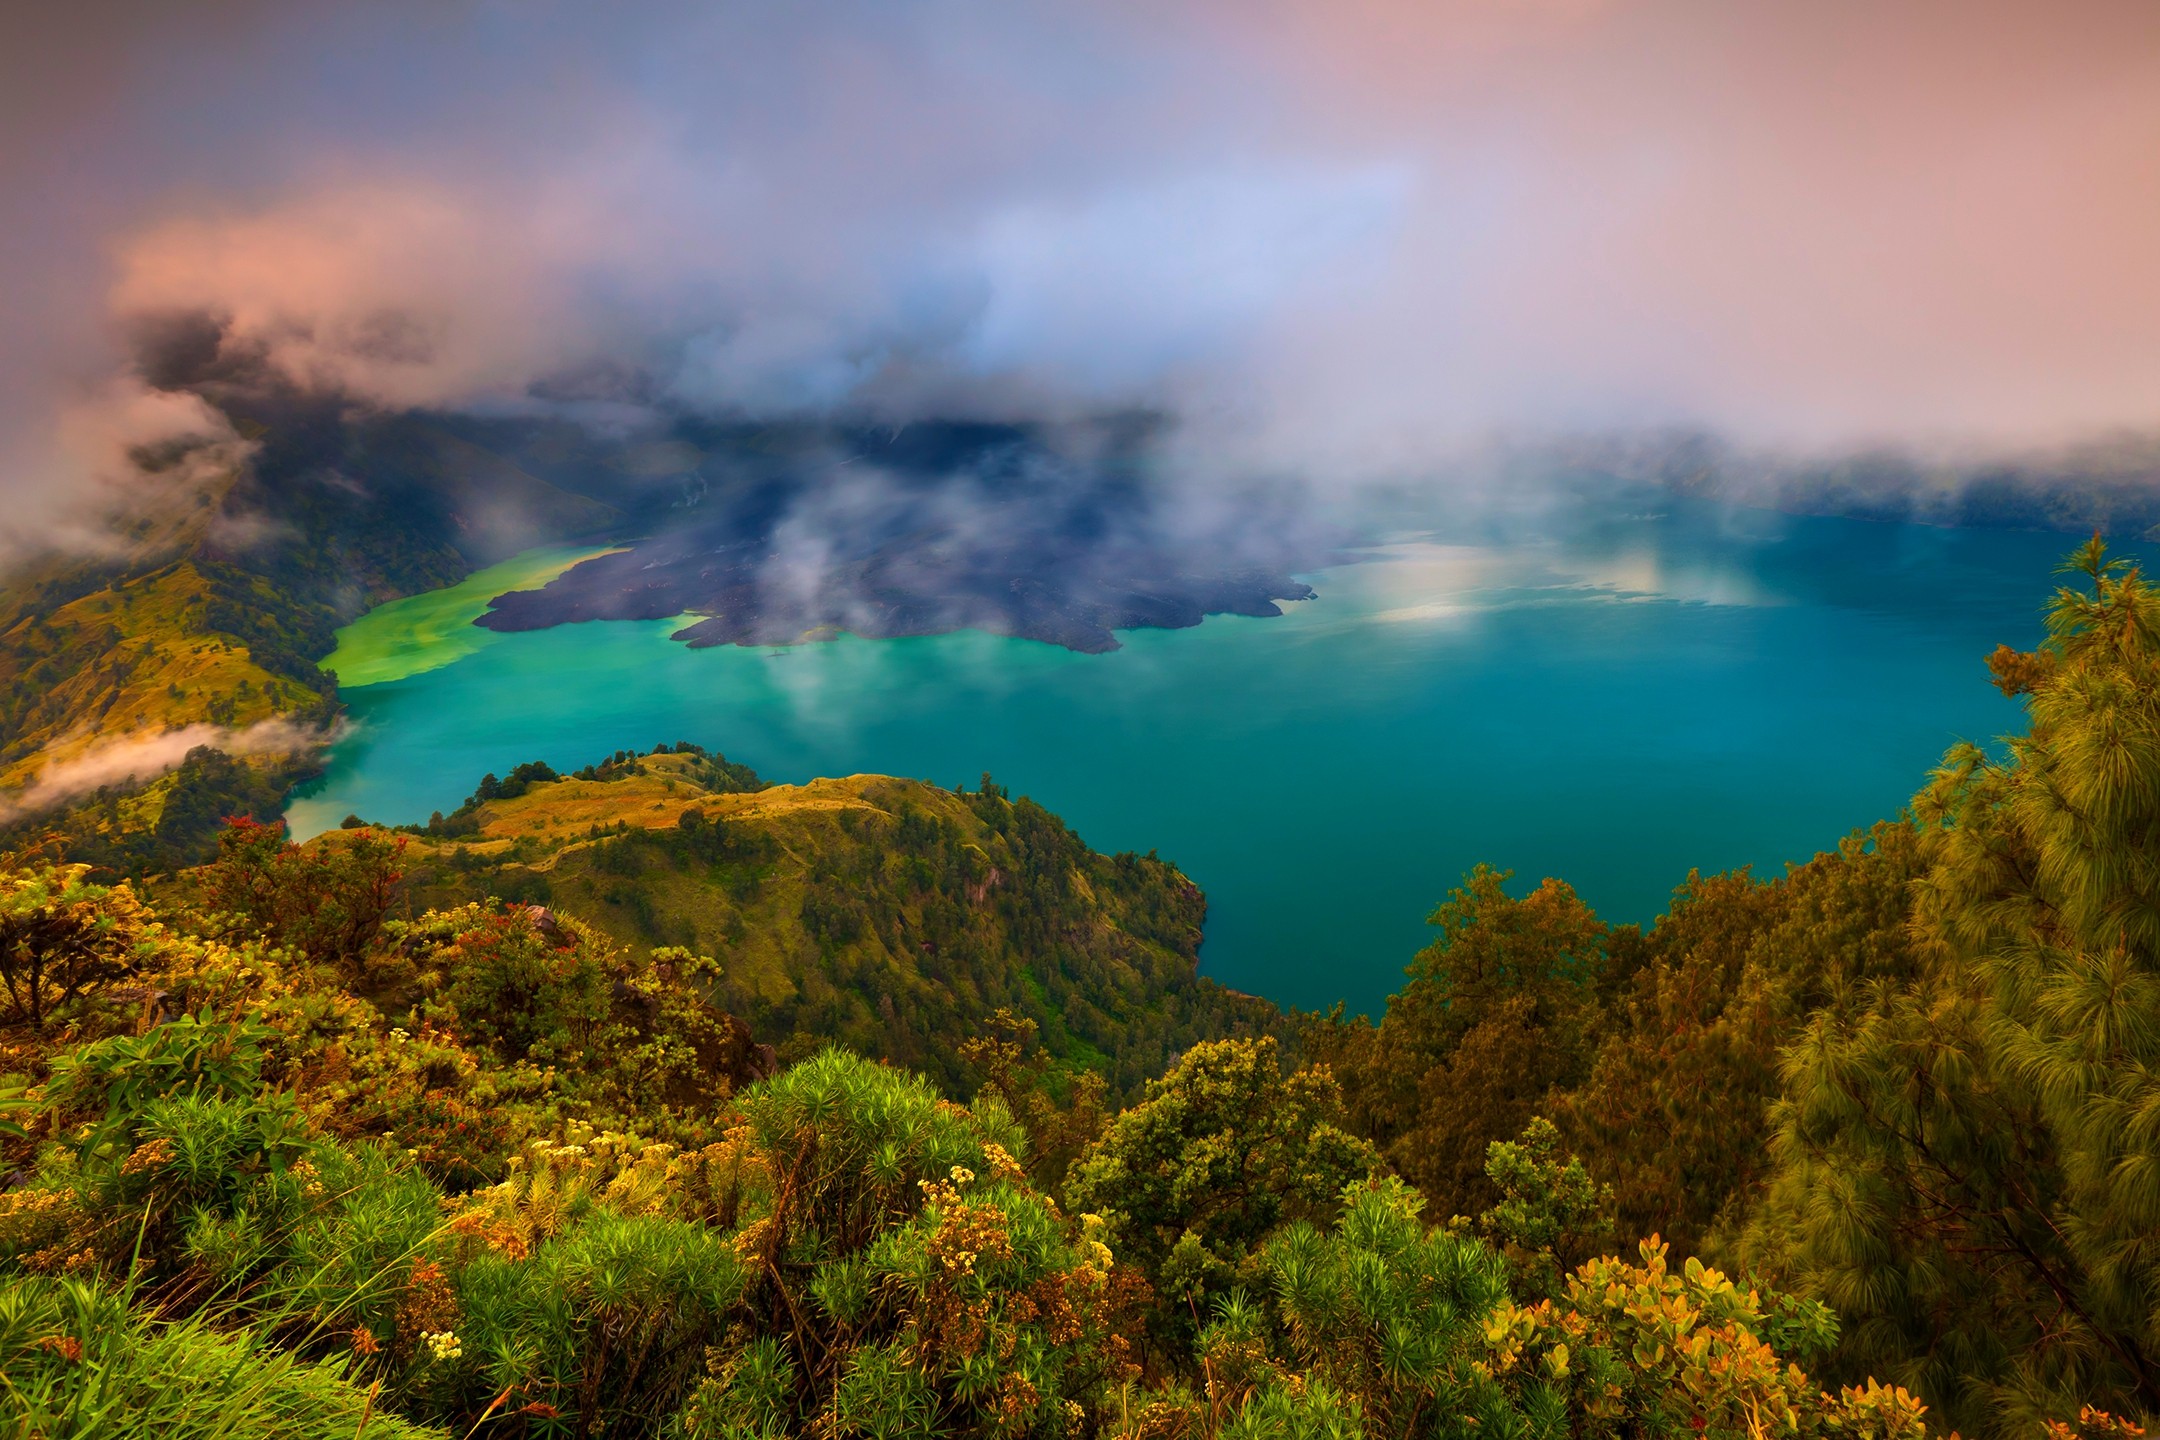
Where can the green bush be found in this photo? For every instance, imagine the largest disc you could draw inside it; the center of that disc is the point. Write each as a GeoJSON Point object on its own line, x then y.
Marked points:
{"type": "Point", "coordinates": [905, 1278]}
{"type": "Point", "coordinates": [1387, 1311]}
{"type": "Point", "coordinates": [328, 901]}
{"type": "Point", "coordinates": [1220, 1153]}
{"type": "Point", "coordinates": [312, 1203]}
{"type": "Point", "coordinates": [520, 987]}
{"type": "Point", "coordinates": [608, 1324]}
{"type": "Point", "coordinates": [122, 1080]}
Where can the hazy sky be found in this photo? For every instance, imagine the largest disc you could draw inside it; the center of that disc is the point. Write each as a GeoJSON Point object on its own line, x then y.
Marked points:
{"type": "Point", "coordinates": [1337, 237]}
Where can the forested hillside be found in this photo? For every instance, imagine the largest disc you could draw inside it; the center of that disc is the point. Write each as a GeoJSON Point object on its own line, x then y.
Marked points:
{"type": "Point", "coordinates": [541, 1184]}
{"type": "Point", "coordinates": [886, 915]}
{"type": "Point", "coordinates": [531, 1121]}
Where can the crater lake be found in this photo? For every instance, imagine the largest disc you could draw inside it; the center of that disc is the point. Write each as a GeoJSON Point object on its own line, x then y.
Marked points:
{"type": "Point", "coordinates": [1641, 695]}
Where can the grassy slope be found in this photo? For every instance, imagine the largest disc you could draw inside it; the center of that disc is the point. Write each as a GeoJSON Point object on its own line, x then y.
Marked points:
{"type": "Point", "coordinates": [889, 914]}
{"type": "Point", "coordinates": [215, 607]}
{"type": "Point", "coordinates": [140, 655]}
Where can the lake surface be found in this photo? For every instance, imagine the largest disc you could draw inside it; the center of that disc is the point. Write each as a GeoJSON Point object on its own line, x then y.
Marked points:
{"type": "Point", "coordinates": [1613, 706]}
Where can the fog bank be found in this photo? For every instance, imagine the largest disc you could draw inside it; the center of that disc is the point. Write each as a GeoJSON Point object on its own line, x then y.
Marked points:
{"type": "Point", "coordinates": [1338, 245]}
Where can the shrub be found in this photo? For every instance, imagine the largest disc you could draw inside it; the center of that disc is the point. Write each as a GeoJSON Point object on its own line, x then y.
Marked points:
{"type": "Point", "coordinates": [606, 1326]}
{"type": "Point", "coordinates": [519, 984]}
{"type": "Point", "coordinates": [628, 1038]}
{"type": "Point", "coordinates": [328, 900]}
{"type": "Point", "coordinates": [905, 1278]}
{"type": "Point", "coordinates": [1642, 1349]}
{"type": "Point", "coordinates": [355, 1264]}
{"type": "Point", "coordinates": [123, 1076]}
{"type": "Point", "coordinates": [62, 938]}
{"type": "Point", "coordinates": [1388, 1312]}
{"type": "Point", "coordinates": [1552, 1216]}
{"type": "Point", "coordinates": [1223, 1150]}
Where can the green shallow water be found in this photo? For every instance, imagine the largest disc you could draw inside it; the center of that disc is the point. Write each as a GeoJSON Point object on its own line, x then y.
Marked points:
{"type": "Point", "coordinates": [1646, 695]}
{"type": "Point", "coordinates": [427, 632]}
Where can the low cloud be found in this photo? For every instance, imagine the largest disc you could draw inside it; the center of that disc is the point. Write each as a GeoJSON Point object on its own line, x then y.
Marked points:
{"type": "Point", "coordinates": [121, 452]}
{"type": "Point", "coordinates": [140, 758]}
{"type": "Point", "coordinates": [1344, 243]}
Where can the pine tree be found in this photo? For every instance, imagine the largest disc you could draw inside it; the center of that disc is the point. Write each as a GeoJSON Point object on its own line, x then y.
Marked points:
{"type": "Point", "coordinates": [1674, 1111]}
{"type": "Point", "coordinates": [1969, 1165]}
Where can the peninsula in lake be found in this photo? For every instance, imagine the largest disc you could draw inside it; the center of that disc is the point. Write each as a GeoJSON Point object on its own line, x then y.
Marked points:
{"type": "Point", "coordinates": [783, 537]}
{"type": "Point", "coordinates": [926, 584]}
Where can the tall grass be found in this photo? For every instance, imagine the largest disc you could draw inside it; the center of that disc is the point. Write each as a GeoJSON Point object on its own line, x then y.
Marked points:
{"type": "Point", "coordinates": [76, 1362]}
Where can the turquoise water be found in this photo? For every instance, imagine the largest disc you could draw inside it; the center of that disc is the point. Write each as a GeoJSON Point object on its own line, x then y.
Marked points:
{"type": "Point", "coordinates": [1643, 696]}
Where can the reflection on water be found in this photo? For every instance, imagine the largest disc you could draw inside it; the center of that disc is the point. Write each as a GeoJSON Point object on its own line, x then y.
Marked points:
{"type": "Point", "coordinates": [1612, 705]}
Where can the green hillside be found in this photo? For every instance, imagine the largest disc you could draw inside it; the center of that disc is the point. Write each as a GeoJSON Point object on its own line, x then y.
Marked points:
{"type": "Point", "coordinates": [485, 1170]}
{"type": "Point", "coordinates": [889, 915]}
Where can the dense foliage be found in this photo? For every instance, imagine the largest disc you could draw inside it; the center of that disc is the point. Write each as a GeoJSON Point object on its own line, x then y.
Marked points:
{"type": "Point", "coordinates": [484, 1169]}
{"type": "Point", "coordinates": [474, 1133]}
{"type": "Point", "coordinates": [487, 1169]}
{"type": "Point", "coordinates": [1966, 1156]}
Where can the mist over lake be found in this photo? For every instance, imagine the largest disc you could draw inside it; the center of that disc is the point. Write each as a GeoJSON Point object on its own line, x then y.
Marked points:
{"type": "Point", "coordinates": [1650, 693]}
